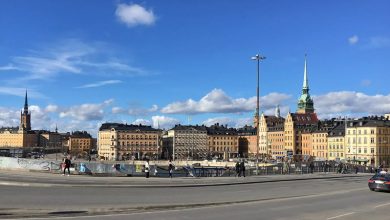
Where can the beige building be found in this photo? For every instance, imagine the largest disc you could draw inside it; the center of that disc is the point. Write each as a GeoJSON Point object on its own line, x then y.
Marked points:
{"type": "Point", "coordinates": [336, 143]}
{"type": "Point", "coordinates": [222, 141]}
{"type": "Point", "coordinates": [307, 144]}
{"type": "Point", "coordinates": [187, 142]}
{"type": "Point", "coordinates": [276, 142]}
{"type": "Point", "coordinates": [320, 144]}
{"type": "Point", "coordinates": [80, 142]}
{"type": "Point", "coordinates": [121, 141]}
{"type": "Point", "coordinates": [270, 124]}
{"type": "Point", "coordinates": [367, 141]}
{"type": "Point", "coordinates": [247, 142]}
{"type": "Point", "coordinates": [295, 125]}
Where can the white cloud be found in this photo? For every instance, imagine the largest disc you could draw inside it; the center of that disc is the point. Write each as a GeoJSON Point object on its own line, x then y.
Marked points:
{"type": "Point", "coordinates": [349, 102]}
{"type": "Point", "coordinates": [353, 40]}
{"type": "Point", "coordinates": [51, 108]}
{"type": "Point", "coordinates": [164, 122]}
{"type": "Point", "coordinates": [141, 121]}
{"type": "Point", "coordinates": [231, 122]}
{"type": "Point", "coordinates": [99, 84]}
{"type": "Point", "coordinates": [118, 110]}
{"type": "Point", "coordinates": [21, 92]}
{"type": "Point", "coordinates": [87, 112]}
{"type": "Point", "coordinates": [218, 102]}
{"type": "Point", "coordinates": [70, 56]}
{"type": "Point", "coordinates": [134, 14]}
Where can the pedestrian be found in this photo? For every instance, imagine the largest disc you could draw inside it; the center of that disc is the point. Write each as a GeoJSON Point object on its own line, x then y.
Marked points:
{"type": "Point", "coordinates": [237, 169]}
{"type": "Point", "coordinates": [147, 168]}
{"type": "Point", "coordinates": [311, 167]}
{"type": "Point", "coordinates": [67, 163]}
{"type": "Point", "coordinates": [356, 169]}
{"type": "Point", "coordinates": [242, 168]}
{"type": "Point", "coordinates": [170, 168]}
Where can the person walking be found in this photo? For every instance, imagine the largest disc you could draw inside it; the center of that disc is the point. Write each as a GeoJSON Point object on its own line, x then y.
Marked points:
{"type": "Point", "coordinates": [67, 163]}
{"type": "Point", "coordinates": [311, 167]}
{"type": "Point", "coordinates": [170, 168]}
{"type": "Point", "coordinates": [237, 168]}
{"type": "Point", "coordinates": [147, 168]}
{"type": "Point", "coordinates": [242, 168]}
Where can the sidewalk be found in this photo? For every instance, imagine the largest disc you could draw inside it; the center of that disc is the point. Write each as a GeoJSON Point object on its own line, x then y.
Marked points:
{"type": "Point", "coordinates": [40, 179]}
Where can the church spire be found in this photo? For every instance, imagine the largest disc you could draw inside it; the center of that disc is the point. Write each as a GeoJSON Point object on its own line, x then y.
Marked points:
{"type": "Point", "coordinates": [305, 102]}
{"type": "Point", "coordinates": [305, 80]}
{"type": "Point", "coordinates": [25, 103]}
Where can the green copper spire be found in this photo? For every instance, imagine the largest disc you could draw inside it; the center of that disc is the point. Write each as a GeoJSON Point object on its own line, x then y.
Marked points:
{"type": "Point", "coordinates": [305, 102]}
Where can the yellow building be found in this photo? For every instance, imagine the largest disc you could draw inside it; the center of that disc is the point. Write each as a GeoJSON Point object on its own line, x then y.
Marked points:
{"type": "Point", "coordinates": [247, 142]}
{"type": "Point", "coordinates": [336, 143]}
{"type": "Point", "coordinates": [223, 141]}
{"type": "Point", "coordinates": [80, 142]}
{"type": "Point", "coordinates": [270, 124]}
{"type": "Point", "coordinates": [320, 144]}
{"type": "Point", "coordinates": [276, 142]}
{"type": "Point", "coordinates": [307, 144]}
{"type": "Point", "coordinates": [121, 141]}
{"type": "Point", "coordinates": [367, 141]}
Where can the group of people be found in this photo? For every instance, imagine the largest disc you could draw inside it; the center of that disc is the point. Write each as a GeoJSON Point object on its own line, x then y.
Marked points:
{"type": "Point", "coordinates": [240, 169]}
{"type": "Point", "coordinates": [171, 167]}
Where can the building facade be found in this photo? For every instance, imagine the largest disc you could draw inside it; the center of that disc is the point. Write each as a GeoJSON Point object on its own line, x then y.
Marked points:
{"type": "Point", "coordinates": [121, 141]}
{"type": "Point", "coordinates": [187, 142]}
{"type": "Point", "coordinates": [222, 141]}
{"type": "Point", "coordinates": [336, 141]}
{"type": "Point", "coordinates": [80, 142]}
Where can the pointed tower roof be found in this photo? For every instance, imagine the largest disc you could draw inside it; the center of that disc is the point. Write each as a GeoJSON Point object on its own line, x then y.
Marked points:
{"type": "Point", "coordinates": [305, 102]}
{"type": "Point", "coordinates": [305, 80]}
{"type": "Point", "coordinates": [25, 102]}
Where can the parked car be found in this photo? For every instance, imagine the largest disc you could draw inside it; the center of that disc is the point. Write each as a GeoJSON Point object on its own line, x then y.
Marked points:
{"type": "Point", "coordinates": [380, 182]}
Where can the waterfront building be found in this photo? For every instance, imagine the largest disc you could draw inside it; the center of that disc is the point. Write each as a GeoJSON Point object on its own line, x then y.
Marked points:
{"type": "Point", "coordinates": [336, 141]}
{"type": "Point", "coordinates": [271, 135]}
{"type": "Point", "coordinates": [122, 141]}
{"type": "Point", "coordinates": [304, 119]}
{"type": "Point", "coordinates": [247, 142]}
{"type": "Point", "coordinates": [187, 142]}
{"type": "Point", "coordinates": [222, 141]}
{"type": "Point", "coordinates": [80, 142]}
{"type": "Point", "coordinates": [367, 141]}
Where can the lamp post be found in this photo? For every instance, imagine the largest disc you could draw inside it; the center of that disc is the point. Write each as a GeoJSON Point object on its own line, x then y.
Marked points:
{"type": "Point", "coordinates": [257, 57]}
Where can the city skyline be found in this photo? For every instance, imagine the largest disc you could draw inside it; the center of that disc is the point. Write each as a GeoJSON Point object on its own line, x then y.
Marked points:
{"type": "Point", "coordinates": [160, 65]}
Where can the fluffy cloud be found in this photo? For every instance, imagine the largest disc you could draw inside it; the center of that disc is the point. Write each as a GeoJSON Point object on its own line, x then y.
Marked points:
{"type": "Point", "coordinates": [231, 122]}
{"type": "Point", "coordinates": [51, 108]}
{"type": "Point", "coordinates": [133, 15]}
{"type": "Point", "coordinates": [218, 102]}
{"type": "Point", "coordinates": [348, 102]}
{"type": "Point", "coordinates": [164, 122]}
{"type": "Point", "coordinates": [353, 40]}
{"type": "Point", "coordinates": [141, 121]}
{"type": "Point", "coordinates": [9, 117]}
{"type": "Point", "coordinates": [86, 112]}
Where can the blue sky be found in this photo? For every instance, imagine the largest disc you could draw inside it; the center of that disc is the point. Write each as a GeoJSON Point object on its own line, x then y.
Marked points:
{"type": "Point", "coordinates": [167, 62]}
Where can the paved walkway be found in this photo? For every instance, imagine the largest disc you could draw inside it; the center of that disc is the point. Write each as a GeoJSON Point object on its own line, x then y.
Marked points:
{"type": "Point", "coordinates": [42, 179]}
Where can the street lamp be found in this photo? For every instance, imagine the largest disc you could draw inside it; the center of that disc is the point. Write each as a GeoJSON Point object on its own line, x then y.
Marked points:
{"type": "Point", "coordinates": [257, 57]}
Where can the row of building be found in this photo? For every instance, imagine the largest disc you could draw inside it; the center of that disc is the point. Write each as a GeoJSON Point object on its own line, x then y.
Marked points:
{"type": "Point", "coordinates": [300, 135]}
{"type": "Point", "coordinates": [22, 139]}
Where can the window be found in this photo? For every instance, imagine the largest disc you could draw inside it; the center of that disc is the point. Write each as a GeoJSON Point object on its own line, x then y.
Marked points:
{"type": "Point", "coordinates": [372, 141]}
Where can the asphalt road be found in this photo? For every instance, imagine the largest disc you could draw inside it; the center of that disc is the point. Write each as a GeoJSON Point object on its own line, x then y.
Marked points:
{"type": "Point", "coordinates": [345, 198]}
